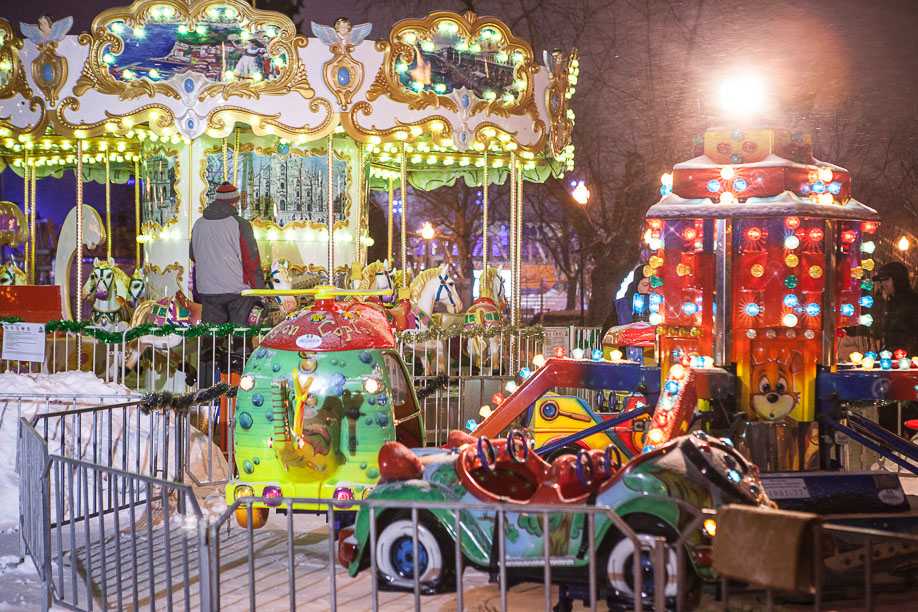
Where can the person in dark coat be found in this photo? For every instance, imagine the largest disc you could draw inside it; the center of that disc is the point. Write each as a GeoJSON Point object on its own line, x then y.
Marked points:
{"type": "Point", "coordinates": [628, 309]}
{"type": "Point", "coordinates": [226, 260]}
{"type": "Point", "coordinates": [898, 304]}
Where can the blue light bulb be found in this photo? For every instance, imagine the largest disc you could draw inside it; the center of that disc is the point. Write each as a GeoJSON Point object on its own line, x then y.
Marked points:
{"type": "Point", "coordinates": [713, 185]}
{"type": "Point", "coordinates": [471, 425]}
{"type": "Point", "coordinates": [847, 310]}
{"type": "Point", "coordinates": [866, 301]}
{"type": "Point", "coordinates": [871, 354]}
{"type": "Point", "coordinates": [665, 190]}
{"type": "Point", "coordinates": [525, 373]}
{"type": "Point", "coordinates": [637, 303]}
{"type": "Point", "coordinates": [596, 355]}
{"type": "Point", "coordinates": [834, 187]}
{"type": "Point", "coordinates": [805, 188]}
{"type": "Point", "coordinates": [733, 475]}
{"type": "Point", "coordinates": [672, 386]}
{"type": "Point", "coordinates": [689, 308]}
{"type": "Point", "coordinates": [753, 309]}
{"type": "Point", "coordinates": [812, 309]}
{"type": "Point", "coordinates": [655, 299]}
{"type": "Point", "coordinates": [740, 184]}
{"type": "Point", "coordinates": [790, 300]}
{"type": "Point", "coordinates": [819, 187]}
{"type": "Point", "coordinates": [886, 364]}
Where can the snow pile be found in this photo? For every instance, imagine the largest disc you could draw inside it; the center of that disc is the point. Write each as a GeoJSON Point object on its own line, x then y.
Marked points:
{"type": "Point", "coordinates": [135, 443]}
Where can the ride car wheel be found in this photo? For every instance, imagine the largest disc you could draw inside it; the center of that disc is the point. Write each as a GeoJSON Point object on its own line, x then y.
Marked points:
{"type": "Point", "coordinates": [259, 517]}
{"type": "Point", "coordinates": [616, 563]}
{"type": "Point", "coordinates": [395, 556]}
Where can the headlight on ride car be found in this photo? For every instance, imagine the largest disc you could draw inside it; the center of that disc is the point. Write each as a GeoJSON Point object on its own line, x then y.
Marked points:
{"type": "Point", "coordinates": [242, 491]}
{"type": "Point", "coordinates": [247, 382]}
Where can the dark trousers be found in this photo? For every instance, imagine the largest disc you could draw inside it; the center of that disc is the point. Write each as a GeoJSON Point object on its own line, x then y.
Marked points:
{"type": "Point", "coordinates": [226, 308]}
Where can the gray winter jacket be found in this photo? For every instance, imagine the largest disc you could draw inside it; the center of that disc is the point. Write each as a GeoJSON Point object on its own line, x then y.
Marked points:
{"type": "Point", "coordinates": [224, 252]}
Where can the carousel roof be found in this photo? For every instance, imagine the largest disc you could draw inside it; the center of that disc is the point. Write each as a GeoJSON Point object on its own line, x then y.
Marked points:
{"type": "Point", "coordinates": [447, 96]}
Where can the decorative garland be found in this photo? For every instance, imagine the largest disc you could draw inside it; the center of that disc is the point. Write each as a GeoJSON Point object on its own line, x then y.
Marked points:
{"type": "Point", "coordinates": [535, 333]}
{"type": "Point", "coordinates": [440, 382]}
{"type": "Point", "coordinates": [117, 337]}
{"type": "Point", "coordinates": [180, 404]}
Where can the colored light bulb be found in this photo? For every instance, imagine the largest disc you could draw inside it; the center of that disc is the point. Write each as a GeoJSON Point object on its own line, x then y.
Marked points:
{"type": "Point", "coordinates": [655, 261]}
{"type": "Point", "coordinates": [683, 270]}
{"type": "Point", "coordinates": [789, 320]}
{"type": "Point", "coordinates": [577, 353]}
{"type": "Point", "coordinates": [815, 234]}
{"type": "Point", "coordinates": [754, 234]}
{"type": "Point", "coordinates": [847, 310]}
{"type": "Point", "coordinates": [848, 236]}
{"type": "Point", "coordinates": [886, 364]}
{"type": "Point", "coordinates": [866, 301]}
{"type": "Point", "coordinates": [871, 355]}
{"type": "Point", "coordinates": [791, 242]}
{"type": "Point", "coordinates": [672, 386]}
{"type": "Point", "coordinates": [866, 320]}
{"type": "Point", "coordinates": [792, 222]}
{"type": "Point", "coordinates": [656, 318]}
{"type": "Point", "coordinates": [899, 353]}
{"type": "Point", "coordinates": [867, 284]}
{"type": "Point", "coordinates": [791, 261]}
{"type": "Point", "coordinates": [868, 264]}
{"type": "Point", "coordinates": [560, 352]}
{"type": "Point", "coordinates": [815, 271]}
{"type": "Point", "coordinates": [596, 355]}
{"type": "Point", "coordinates": [656, 281]}
{"type": "Point", "coordinates": [713, 185]}
{"type": "Point", "coordinates": [753, 309]}
{"type": "Point", "coordinates": [757, 270]}
{"type": "Point", "coordinates": [790, 281]}
{"type": "Point", "coordinates": [812, 309]}
{"type": "Point", "coordinates": [739, 185]}
{"type": "Point", "coordinates": [868, 247]}
{"type": "Point", "coordinates": [905, 363]}
{"type": "Point", "coordinates": [791, 300]}
{"type": "Point", "coordinates": [869, 227]}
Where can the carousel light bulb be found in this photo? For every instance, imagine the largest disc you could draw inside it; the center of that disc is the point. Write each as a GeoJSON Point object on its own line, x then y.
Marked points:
{"type": "Point", "coordinates": [667, 179]}
{"type": "Point", "coordinates": [869, 227]}
{"type": "Point", "coordinates": [789, 320]}
{"type": "Point", "coordinates": [656, 318]}
{"type": "Point", "coordinates": [792, 222]}
{"type": "Point", "coordinates": [791, 242]}
{"type": "Point", "coordinates": [577, 353]}
{"type": "Point", "coordinates": [727, 198]}
{"type": "Point", "coordinates": [865, 319]}
{"type": "Point", "coordinates": [726, 173]}
{"type": "Point", "coordinates": [753, 309]}
{"type": "Point", "coordinates": [868, 247]}
{"type": "Point", "coordinates": [825, 174]}
{"type": "Point", "coordinates": [903, 244]}
{"type": "Point", "coordinates": [539, 360]}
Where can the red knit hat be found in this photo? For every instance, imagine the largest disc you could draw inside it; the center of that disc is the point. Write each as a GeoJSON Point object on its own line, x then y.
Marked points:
{"type": "Point", "coordinates": [226, 193]}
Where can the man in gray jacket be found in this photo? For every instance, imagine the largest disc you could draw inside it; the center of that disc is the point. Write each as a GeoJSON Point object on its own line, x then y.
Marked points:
{"type": "Point", "coordinates": [226, 260]}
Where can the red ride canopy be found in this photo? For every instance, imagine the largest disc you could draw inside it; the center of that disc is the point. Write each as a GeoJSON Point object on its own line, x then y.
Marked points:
{"type": "Point", "coordinates": [333, 326]}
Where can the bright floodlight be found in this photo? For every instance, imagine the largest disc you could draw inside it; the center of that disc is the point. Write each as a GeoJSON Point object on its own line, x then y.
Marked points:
{"type": "Point", "coordinates": [903, 244]}
{"type": "Point", "coordinates": [742, 96]}
{"type": "Point", "coordinates": [427, 231]}
{"type": "Point", "coordinates": [580, 193]}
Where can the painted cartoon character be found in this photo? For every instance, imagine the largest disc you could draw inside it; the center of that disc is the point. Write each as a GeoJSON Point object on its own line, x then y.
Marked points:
{"type": "Point", "coordinates": [774, 393]}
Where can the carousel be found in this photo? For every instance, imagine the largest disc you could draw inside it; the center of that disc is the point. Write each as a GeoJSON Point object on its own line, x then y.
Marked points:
{"type": "Point", "coordinates": [178, 97]}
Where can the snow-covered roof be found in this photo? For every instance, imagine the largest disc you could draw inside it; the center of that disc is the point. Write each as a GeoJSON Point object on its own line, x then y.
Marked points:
{"type": "Point", "coordinates": [704, 162]}
{"type": "Point", "coordinates": [784, 204]}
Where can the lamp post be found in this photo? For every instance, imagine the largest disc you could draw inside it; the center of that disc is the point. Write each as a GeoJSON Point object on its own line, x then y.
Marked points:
{"type": "Point", "coordinates": [427, 233]}
{"type": "Point", "coordinates": [581, 195]}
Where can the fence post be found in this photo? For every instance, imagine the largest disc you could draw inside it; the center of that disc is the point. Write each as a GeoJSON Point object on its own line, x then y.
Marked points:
{"type": "Point", "coordinates": [205, 565]}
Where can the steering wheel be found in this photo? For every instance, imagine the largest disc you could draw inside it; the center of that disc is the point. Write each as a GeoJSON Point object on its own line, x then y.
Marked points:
{"type": "Point", "coordinates": [486, 455]}
{"type": "Point", "coordinates": [517, 446]}
{"type": "Point", "coordinates": [584, 468]}
{"type": "Point", "coordinates": [608, 459]}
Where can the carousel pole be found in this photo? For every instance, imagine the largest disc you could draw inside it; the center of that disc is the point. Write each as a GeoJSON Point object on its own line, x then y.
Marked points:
{"type": "Point", "coordinates": [108, 207]}
{"type": "Point", "coordinates": [389, 237]}
{"type": "Point", "coordinates": [137, 206]}
{"type": "Point", "coordinates": [25, 206]}
{"type": "Point", "coordinates": [79, 229]}
{"type": "Point", "coordinates": [403, 169]}
{"type": "Point", "coordinates": [236, 160]}
{"type": "Point", "coordinates": [358, 242]}
{"type": "Point", "coordinates": [484, 221]}
{"type": "Point", "coordinates": [517, 272]}
{"type": "Point", "coordinates": [225, 168]}
{"type": "Point", "coordinates": [32, 233]}
{"type": "Point", "coordinates": [331, 211]}
{"type": "Point", "coordinates": [513, 239]}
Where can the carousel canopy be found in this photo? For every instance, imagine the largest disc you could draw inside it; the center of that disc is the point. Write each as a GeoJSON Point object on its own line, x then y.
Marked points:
{"type": "Point", "coordinates": [444, 96]}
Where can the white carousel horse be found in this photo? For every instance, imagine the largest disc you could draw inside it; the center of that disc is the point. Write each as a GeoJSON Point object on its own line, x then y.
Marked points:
{"type": "Point", "coordinates": [430, 287]}
{"type": "Point", "coordinates": [278, 277]}
{"type": "Point", "coordinates": [176, 310]}
{"type": "Point", "coordinates": [93, 235]}
{"type": "Point", "coordinates": [107, 288]}
{"type": "Point", "coordinates": [137, 289]}
{"type": "Point", "coordinates": [11, 274]}
{"type": "Point", "coordinates": [486, 311]}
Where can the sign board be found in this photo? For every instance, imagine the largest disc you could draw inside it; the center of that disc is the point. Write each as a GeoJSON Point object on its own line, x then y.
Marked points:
{"type": "Point", "coordinates": [24, 342]}
{"type": "Point", "coordinates": [555, 337]}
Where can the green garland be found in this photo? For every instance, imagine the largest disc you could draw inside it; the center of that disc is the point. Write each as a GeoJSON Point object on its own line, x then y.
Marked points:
{"type": "Point", "coordinates": [182, 403]}
{"type": "Point", "coordinates": [115, 337]}
{"type": "Point", "coordinates": [535, 333]}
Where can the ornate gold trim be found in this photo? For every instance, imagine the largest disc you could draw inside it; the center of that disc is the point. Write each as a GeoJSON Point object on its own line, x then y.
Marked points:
{"type": "Point", "coordinates": [342, 59]}
{"type": "Point", "coordinates": [285, 43]}
{"type": "Point", "coordinates": [559, 90]}
{"type": "Point", "coordinates": [468, 27]}
{"type": "Point", "coordinates": [152, 267]}
{"type": "Point", "coordinates": [177, 165]}
{"type": "Point", "coordinates": [293, 225]}
{"type": "Point", "coordinates": [222, 120]}
{"type": "Point", "coordinates": [157, 116]}
{"type": "Point", "coordinates": [48, 57]}
{"type": "Point", "coordinates": [10, 46]}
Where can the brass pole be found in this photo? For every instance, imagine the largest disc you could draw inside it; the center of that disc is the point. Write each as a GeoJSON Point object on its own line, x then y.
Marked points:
{"type": "Point", "coordinates": [236, 160]}
{"type": "Point", "coordinates": [108, 207]}
{"type": "Point", "coordinates": [484, 218]}
{"type": "Point", "coordinates": [517, 280]}
{"type": "Point", "coordinates": [389, 238]}
{"type": "Point", "coordinates": [513, 236]}
{"type": "Point", "coordinates": [25, 207]}
{"type": "Point", "coordinates": [137, 205]}
{"type": "Point", "coordinates": [79, 230]}
{"type": "Point", "coordinates": [225, 168]}
{"type": "Point", "coordinates": [33, 233]}
{"type": "Point", "coordinates": [331, 211]}
{"type": "Point", "coordinates": [404, 184]}
{"type": "Point", "coordinates": [358, 239]}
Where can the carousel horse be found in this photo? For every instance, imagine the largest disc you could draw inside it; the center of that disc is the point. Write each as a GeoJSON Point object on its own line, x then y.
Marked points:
{"type": "Point", "coordinates": [278, 277]}
{"type": "Point", "coordinates": [93, 235]}
{"type": "Point", "coordinates": [377, 277]}
{"type": "Point", "coordinates": [486, 311]}
{"type": "Point", "coordinates": [429, 288]}
{"type": "Point", "coordinates": [176, 310]}
{"type": "Point", "coordinates": [12, 274]}
{"type": "Point", "coordinates": [137, 290]}
{"type": "Point", "coordinates": [107, 287]}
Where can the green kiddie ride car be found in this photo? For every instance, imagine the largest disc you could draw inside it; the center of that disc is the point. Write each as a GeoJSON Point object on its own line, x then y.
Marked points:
{"type": "Point", "coordinates": [317, 400]}
{"type": "Point", "coordinates": [697, 470]}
